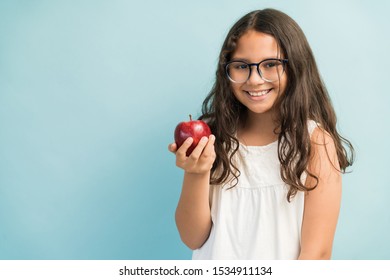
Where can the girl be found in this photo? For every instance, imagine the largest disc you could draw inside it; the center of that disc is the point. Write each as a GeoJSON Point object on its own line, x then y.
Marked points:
{"type": "Point", "coordinates": [267, 183]}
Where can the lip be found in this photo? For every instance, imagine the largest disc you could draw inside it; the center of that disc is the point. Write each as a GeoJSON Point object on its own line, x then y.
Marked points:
{"type": "Point", "coordinates": [257, 98]}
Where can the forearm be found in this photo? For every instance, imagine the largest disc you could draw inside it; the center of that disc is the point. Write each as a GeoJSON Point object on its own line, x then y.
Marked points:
{"type": "Point", "coordinates": [193, 218]}
{"type": "Point", "coordinates": [315, 255]}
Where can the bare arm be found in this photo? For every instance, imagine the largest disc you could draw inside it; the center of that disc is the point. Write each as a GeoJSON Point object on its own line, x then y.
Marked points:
{"type": "Point", "coordinates": [193, 218]}
{"type": "Point", "coordinates": [322, 205]}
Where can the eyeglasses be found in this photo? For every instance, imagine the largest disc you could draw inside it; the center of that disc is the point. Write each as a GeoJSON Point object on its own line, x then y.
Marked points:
{"type": "Point", "coordinates": [269, 70]}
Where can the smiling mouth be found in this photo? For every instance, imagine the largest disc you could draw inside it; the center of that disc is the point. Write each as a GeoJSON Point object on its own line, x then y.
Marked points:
{"type": "Point", "coordinates": [258, 93]}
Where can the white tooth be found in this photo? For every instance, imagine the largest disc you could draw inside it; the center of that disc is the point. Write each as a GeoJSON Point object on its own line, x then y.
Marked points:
{"type": "Point", "coordinates": [258, 93]}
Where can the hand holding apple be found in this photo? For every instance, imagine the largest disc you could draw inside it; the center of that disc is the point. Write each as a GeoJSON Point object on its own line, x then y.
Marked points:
{"type": "Point", "coordinates": [195, 129]}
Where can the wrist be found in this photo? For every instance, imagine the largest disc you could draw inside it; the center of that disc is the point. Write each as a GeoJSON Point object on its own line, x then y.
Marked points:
{"type": "Point", "coordinates": [197, 179]}
{"type": "Point", "coordinates": [197, 175]}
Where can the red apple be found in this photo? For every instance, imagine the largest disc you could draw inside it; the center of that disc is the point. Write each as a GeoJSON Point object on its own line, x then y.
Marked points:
{"type": "Point", "coordinates": [195, 129]}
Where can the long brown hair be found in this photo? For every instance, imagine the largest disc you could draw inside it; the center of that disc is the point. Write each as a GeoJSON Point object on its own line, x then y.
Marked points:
{"type": "Point", "coordinates": [305, 98]}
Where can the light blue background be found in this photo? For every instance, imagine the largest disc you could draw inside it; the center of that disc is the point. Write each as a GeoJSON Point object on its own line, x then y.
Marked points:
{"type": "Point", "coordinates": [91, 91]}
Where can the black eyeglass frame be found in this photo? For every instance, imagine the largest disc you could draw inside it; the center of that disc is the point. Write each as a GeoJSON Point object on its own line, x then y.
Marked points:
{"type": "Point", "coordinates": [283, 61]}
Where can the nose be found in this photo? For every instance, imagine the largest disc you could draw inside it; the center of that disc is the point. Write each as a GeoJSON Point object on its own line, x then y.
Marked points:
{"type": "Point", "coordinates": [254, 76]}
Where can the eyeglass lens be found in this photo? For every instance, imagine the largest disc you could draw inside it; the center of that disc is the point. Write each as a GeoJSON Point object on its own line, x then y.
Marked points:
{"type": "Point", "coordinates": [270, 70]}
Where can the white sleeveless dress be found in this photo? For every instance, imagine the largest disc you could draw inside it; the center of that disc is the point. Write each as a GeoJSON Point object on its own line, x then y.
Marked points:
{"type": "Point", "coordinates": [254, 220]}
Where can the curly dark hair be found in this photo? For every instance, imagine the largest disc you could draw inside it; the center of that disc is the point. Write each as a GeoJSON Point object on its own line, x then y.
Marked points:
{"type": "Point", "coordinates": [305, 98]}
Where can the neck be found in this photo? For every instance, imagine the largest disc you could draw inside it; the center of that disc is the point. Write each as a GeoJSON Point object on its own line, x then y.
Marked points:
{"type": "Point", "coordinates": [259, 129]}
{"type": "Point", "coordinates": [263, 123]}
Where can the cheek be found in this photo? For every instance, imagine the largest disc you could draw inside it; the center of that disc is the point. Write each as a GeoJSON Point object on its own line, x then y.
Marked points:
{"type": "Point", "coordinates": [235, 88]}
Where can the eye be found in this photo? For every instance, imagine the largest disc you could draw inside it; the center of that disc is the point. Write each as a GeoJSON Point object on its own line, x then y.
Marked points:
{"type": "Point", "coordinates": [270, 64]}
{"type": "Point", "coordinates": [240, 66]}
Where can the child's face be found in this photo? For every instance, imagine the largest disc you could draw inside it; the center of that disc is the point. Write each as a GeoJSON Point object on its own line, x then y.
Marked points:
{"type": "Point", "coordinates": [256, 94]}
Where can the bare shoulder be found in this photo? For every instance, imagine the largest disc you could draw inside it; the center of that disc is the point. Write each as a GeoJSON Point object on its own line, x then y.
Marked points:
{"type": "Point", "coordinates": [321, 137]}
{"type": "Point", "coordinates": [323, 146]}
{"type": "Point", "coordinates": [323, 161]}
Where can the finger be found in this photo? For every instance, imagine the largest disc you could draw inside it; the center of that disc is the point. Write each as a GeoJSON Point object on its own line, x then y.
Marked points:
{"type": "Point", "coordinates": [199, 148]}
{"type": "Point", "coordinates": [209, 149]}
{"type": "Point", "coordinates": [181, 152]}
{"type": "Point", "coordinates": [172, 147]}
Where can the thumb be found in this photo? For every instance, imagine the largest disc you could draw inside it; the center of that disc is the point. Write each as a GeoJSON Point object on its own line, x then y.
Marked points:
{"type": "Point", "coordinates": [172, 147]}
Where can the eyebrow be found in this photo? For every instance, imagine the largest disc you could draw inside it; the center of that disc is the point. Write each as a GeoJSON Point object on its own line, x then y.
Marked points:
{"type": "Point", "coordinates": [247, 61]}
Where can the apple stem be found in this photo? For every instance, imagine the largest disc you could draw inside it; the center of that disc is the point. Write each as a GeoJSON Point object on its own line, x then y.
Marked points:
{"type": "Point", "coordinates": [190, 117]}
